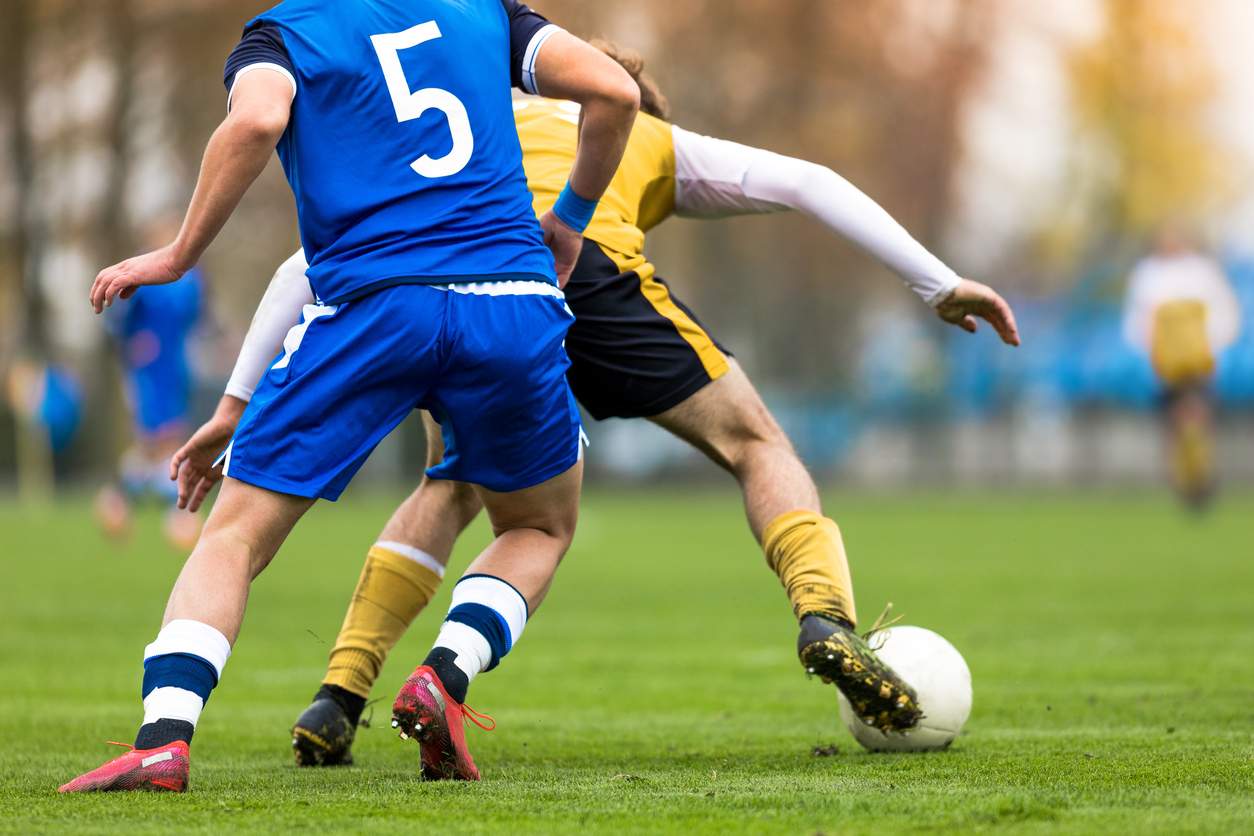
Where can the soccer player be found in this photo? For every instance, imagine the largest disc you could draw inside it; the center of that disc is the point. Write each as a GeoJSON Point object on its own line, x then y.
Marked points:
{"type": "Point", "coordinates": [636, 351]}
{"type": "Point", "coordinates": [433, 289]}
{"type": "Point", "coordinates": [151, 331]}
{"type": "Point", "coordinates": [1182, 312]}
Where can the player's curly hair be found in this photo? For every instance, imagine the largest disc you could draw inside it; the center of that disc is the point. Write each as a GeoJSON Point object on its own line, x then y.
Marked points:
{"type": "Point", "coordinates": [652, 101]}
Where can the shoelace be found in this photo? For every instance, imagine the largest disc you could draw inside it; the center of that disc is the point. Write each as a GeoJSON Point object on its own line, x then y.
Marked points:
{"type": "Point", "coordinates": [476, 717]}
{"type": "Point", "coordinates": [129, 747]}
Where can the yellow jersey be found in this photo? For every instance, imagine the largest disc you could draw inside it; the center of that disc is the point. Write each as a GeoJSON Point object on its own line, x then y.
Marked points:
{"type": "Point", "coordinates": [641, 196]}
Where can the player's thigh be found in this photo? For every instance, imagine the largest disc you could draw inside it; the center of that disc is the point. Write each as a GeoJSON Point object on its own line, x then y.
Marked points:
{"type": "Point", "coordinates": [551, 507]}
{"type": "Point", "coordinates": [253, 518]}
{"type": "Point", "coordinates": [506, 413]}
{"type": "Point", "coordinates": [723, 418]}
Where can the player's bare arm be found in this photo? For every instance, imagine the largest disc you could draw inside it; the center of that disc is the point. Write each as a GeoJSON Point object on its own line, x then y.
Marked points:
{"type": "Point", "coordinates": [569, 68]}
{"type": "Point", "coordinates": [236, 154]}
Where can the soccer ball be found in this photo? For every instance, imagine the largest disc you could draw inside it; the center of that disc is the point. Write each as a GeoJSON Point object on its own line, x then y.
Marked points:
{"type": "Point", "coordinates": [938, 674]}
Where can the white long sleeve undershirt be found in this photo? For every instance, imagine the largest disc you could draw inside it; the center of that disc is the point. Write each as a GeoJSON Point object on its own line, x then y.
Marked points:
{"type": "Point", "coordinates": [716, 178]}
{"type": "Point", "coordinates": [278, 311]}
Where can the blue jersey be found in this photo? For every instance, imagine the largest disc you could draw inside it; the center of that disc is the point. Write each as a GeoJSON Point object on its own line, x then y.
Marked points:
{"type": "Point", "coordinates": [401, 150]}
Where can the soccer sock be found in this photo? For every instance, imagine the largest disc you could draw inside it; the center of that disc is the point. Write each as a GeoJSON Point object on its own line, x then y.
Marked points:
{"type": "Point", "coordinates": [396, 583]}
{"type": "Point", "coordinates": [806, 551]}
{"type": "Point", "coordinates": [181, 669]}
{"type": "Point", "coordinates": [352, 704]}
{"type": "Point", "coordinates": [484, 622]}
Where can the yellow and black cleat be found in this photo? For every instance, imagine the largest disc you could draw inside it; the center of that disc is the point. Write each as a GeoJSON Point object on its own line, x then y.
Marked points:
{"type": "Point", "coordinates": [323, 735]}
{"type": "Point", "coordinates": [839, 656]}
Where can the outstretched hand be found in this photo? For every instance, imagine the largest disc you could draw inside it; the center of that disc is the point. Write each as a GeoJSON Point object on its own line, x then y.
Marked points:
{"type": "Point", "coordinates": [565, 243]}
{"type": "Point", "coordinates": [123, 279]}
{"type": "Point", "coordinates": [194, 465]}
{"type": "Point", "coordinates": [972, 301]}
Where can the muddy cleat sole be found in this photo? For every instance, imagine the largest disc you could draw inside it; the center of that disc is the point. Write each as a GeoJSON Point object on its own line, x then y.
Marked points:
{"type": "Point", "coordinates": [163, 769]}
{"type": "Point", "coordinates": [424, 711]}
{"type": "Point", "coordinates": [323, 735]}
{"type": "Point", "coordinates": [839, 656]}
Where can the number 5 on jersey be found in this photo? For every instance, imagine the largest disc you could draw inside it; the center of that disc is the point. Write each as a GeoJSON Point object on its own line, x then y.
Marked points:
{"type": "Point", "coordinates": [410, 104]}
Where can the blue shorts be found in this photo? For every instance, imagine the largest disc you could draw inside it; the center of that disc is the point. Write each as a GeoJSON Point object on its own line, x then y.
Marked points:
{"type": "Point", "coordinates": [487, 361]}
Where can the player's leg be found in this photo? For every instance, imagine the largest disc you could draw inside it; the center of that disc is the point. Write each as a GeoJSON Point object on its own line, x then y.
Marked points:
{"type": "Point", "coordinates": [1190, 416]}
{"type": "Point", "coordinates": [728, 421]}
{"type": "Point", "coordinates": [638, 351]}
{"type": "Point", "coordinates": [349, 375]}
{"type": "Point", "coordinates": [183, 664]}
{"type": "Point", "coordinates": [403, 570]}
{"type": "Point", "coordinates": [500, 591]}
{"type": "Point", "coordinates": [512, 429]}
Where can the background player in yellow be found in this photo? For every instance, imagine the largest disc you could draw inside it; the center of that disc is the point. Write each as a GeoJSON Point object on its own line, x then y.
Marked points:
{"type": "Point", "coordinates": [636, 351]}
{"type": "Point", "coordinates": [1183, 313]}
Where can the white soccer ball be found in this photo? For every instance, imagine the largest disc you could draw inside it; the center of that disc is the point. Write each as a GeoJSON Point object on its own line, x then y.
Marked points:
{"type": "Point", "coordinates": [938, 674]}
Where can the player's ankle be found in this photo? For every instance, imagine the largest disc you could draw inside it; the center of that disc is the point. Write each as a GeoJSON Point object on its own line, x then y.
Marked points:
{"type": "Point", "coordinates": [352, 704]}
{"type": "Point", "coordinates": [827, 621]}
{"type": "Point", "coordinates": [163, 732]}
{"type": "Point", "coordinates": [454, 679]}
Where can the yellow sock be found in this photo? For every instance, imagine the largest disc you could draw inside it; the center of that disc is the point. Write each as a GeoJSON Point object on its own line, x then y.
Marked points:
{"type": "Point", "coordinates": [395, 584]}
{"type": "Point", "coordinates": [806, 551]}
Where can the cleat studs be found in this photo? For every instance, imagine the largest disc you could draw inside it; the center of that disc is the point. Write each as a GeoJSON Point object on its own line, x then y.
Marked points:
{"type": "Point", "coordinates": [810, 670]}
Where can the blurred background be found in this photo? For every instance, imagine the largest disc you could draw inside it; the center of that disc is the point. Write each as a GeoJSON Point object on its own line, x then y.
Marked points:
{"type": "Point", "coordinates": [1039, 147]}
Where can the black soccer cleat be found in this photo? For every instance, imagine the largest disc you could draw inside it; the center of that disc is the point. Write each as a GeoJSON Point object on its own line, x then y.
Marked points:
{"type": "Point", "coordinates": [839, 656]}
{"type": "Point", "coordinates": [323, 735]}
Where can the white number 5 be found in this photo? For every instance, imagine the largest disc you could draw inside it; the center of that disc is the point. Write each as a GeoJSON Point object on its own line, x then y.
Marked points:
{"type": "Point", "coordinates": [412, 104]}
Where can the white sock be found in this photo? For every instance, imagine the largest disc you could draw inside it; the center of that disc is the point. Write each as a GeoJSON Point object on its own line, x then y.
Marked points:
{"type": "Point", "coordinates": [181, 667]}
{"type": "Point", "coordinates": [485, 620]}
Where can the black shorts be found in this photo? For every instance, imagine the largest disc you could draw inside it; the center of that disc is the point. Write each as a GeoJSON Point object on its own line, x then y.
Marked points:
{"type": "Point", "coordinates": [635, 350]}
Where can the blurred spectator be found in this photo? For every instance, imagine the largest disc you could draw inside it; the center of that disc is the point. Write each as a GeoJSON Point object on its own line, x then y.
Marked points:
{"type": "Point", "coordinates": [151, 330]}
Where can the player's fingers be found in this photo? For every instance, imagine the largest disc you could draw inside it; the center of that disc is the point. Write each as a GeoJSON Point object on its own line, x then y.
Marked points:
{"type": "Point", "coordinates": [176, 461]}
{"type": "Point", "coordinates": [118, 284]}
{"type": "Point", "coordinates": [187, 477]}
{"type": "Point", "coordinates": [969, 324]}
{"type": "Point", "coordinates": [128, 292]}
{"type": "Point", "coordinates": [1005, 323]}
{"type": "Point", "coordinates": [96, 294]}
{"type": "Point", "coordinates": [202, 491]}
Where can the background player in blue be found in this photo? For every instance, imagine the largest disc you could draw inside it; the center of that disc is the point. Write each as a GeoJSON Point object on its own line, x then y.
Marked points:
{"type": "Point", "coordinates": [394, 123]}
{"type": "Point", "coordinates": [151, 330]}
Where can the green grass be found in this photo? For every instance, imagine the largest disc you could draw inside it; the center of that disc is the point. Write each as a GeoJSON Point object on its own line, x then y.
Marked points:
{"type": "Point", "coordinates": [1111, 641]}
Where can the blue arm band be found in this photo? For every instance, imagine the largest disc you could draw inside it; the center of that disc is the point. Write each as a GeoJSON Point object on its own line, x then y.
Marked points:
{"type": "Point", "coordinates": [574, 211]}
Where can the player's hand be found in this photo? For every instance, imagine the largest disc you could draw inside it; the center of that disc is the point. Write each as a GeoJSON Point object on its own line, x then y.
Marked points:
{"type": "Point", "coordinates": [972, 301]}
{"type": "Point", "coordinates": [565, 243]}
{"type": "Point", "coordinates": [123, 279]}
{"type": "Point", "coordinates": [192, 466]}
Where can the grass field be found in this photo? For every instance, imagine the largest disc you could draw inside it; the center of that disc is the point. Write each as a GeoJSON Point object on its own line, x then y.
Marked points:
{"type": "Point", "coordinates": [1111, 641]}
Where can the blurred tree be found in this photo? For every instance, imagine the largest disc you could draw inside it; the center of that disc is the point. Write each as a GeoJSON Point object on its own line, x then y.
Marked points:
{"type": "Point", "coordinates": [1141, 94]}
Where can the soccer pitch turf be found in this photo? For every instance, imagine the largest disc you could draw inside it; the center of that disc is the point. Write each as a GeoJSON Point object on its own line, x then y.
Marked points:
{"type": "Point", "coordinates": [1111, 640]}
